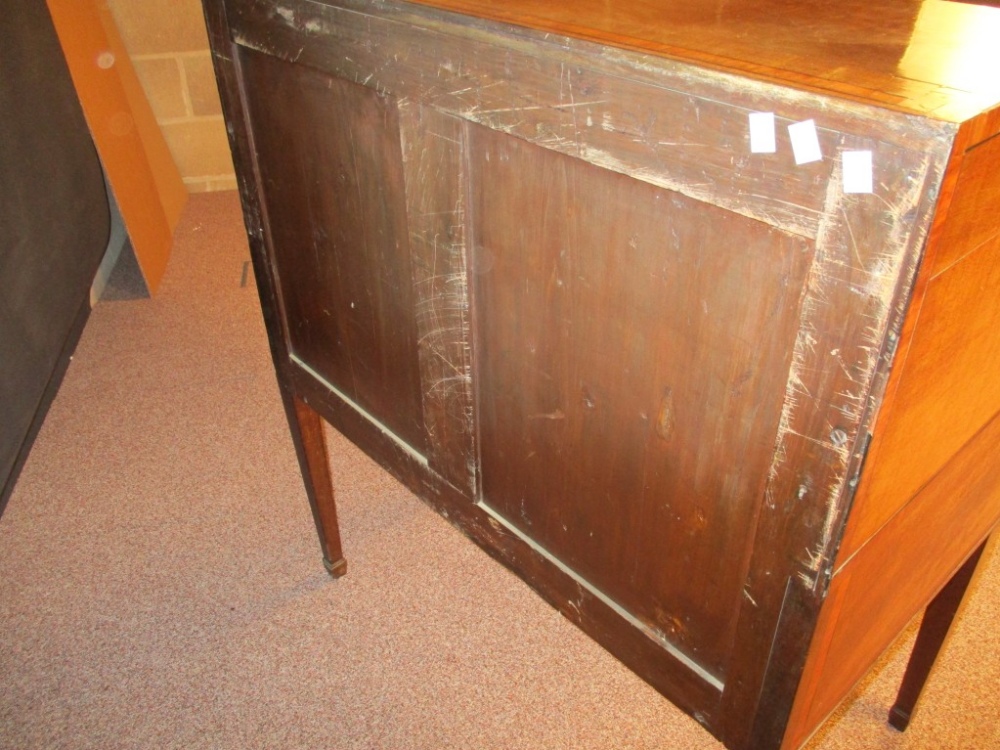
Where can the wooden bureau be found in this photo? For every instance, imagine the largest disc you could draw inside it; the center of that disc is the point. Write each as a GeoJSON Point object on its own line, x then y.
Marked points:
{"type": "Point", "coordinates": [731, 406]}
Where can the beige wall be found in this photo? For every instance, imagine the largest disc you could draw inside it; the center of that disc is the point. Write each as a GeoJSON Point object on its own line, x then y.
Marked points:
{"type": "Point", "coordinates": [168, 44]}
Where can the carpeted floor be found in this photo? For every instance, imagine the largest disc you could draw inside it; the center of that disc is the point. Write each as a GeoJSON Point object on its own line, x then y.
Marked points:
{"type": "Point", "coordinates": [161, 585]}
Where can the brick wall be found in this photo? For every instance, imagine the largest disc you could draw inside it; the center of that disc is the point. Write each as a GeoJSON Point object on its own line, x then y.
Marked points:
{"type": "Point", "coordinates": [168, 45]}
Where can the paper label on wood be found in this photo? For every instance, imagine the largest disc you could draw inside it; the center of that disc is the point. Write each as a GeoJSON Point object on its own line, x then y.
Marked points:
{"type": "Point", "coordinates": [857, 167]}
{"type": "Point", "coordinates": [762, 139]}
{"type": "Point", "coordinates": [805, 142]}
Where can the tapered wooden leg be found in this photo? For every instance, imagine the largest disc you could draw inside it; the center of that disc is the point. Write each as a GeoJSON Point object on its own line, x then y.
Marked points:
{"type": "Point", "coordinates": [937, 621]}
{"type": "Point", "coordinates": [310, 445]}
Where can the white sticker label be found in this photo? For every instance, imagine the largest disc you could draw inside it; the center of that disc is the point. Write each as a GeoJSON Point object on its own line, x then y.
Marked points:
{"type": "Point", "coordinates": [762, 133]}
{"type": "Point", "coordinates": [857, 171]}
{"type": "Point", "coordinates": [805, 142]}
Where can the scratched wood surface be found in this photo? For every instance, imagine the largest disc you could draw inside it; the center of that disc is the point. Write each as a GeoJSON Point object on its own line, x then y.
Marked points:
{"type": "Point", "coordinates": [628, 401]}
{"type": "Point", "coordinates": [930, 491]}
{"type": "Point", "coordinates": [334, 199]}
{"type": "Point", "coordinates": [926, 56]}
{"type": "Point", "coordinates": [877, 593]}
{"type": "Point", "coordinates": [564, 95]}
{"type": "Point", "coordinates": [433, 154]}
{"type": "Point", "coordinates": [637, 363]}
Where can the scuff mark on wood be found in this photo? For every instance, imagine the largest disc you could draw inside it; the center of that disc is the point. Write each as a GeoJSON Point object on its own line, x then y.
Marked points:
{"type": "Point", "coordinates": [693, 140]}
{"type": "Point", "coordinates": [558, 414]}
{"type": "Point", "coordinates": [665, 419]}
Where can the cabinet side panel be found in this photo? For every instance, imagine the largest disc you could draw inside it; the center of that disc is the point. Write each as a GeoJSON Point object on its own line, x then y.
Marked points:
{"type": "Point", "coordinates": [896, 575]}
{"type": "Point", "coordinates": [330, 163]}
{"type": "Point", "coordinates": [930, 491]}
{"type": "Point", "coordinates": [938, 396]}
{"type": "Point", "coordinates": [946, 391]}
{"type": "Point", "coordinates": [973, 210]}
{"type": "Point", "coordinates": [867, 257]}
{"type": "Point", "coordinates": [633, 347]}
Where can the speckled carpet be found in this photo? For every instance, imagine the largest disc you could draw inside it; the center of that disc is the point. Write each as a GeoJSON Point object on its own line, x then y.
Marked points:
{"type": "Point", "coordinates": [161, 585]}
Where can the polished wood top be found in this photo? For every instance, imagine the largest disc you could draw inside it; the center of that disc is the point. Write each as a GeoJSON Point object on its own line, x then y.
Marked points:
{"type": "Point", "coordinates": [931, 57]}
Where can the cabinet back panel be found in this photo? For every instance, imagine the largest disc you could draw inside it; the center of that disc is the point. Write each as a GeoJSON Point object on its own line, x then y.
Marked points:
{"type": "Point", "coordinates": [647, 358]}
{"type": "Point", "coordinates": [330, 163]}
{"type": "Point", "coordinates": [632, 358]}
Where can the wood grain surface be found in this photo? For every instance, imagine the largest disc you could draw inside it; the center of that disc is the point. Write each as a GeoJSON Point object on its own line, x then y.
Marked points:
{"type": "Point", "coordinates": [525, 257]}
{"type": "Point", "coordinates": [628, 405]}
{"type": "Point", "coordinates": [331, 168]}
{"type": "Point", "coordinates": [924, 56]}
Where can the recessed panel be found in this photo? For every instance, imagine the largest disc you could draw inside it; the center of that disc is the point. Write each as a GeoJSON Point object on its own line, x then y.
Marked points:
{"type": "Point", "coordinates": [330, 163]}
{"type": "Point", "coordinates": [633, 348]}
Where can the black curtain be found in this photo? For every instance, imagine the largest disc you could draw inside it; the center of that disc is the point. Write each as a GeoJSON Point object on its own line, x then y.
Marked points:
{"type": "Point", "coordinates": [54, 225]}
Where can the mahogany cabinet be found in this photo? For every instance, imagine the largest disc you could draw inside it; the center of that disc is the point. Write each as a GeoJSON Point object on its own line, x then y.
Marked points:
{"type": "Point", "coordinates": [729, 405]}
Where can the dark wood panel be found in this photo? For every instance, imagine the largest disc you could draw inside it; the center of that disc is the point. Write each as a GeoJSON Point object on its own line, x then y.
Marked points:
{"type": "Point", "coordinates": [628, 402]}
{"type": "Point", "coordinates": [330, 164]}
{"type": "Point", "coordinates": [433, 159]}
{"type": "Point", "coordinates": [645, 656]}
